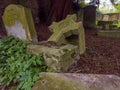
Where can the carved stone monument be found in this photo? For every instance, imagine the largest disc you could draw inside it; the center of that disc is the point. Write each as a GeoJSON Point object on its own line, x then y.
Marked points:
{"type": "Point", "coordinates": [18, 22]}
{"type": "Point", "coordinates": [68, 31]}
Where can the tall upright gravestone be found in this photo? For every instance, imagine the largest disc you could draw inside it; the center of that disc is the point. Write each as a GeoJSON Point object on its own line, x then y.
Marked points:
{"type": "Point", "coordinates": [18, 22]}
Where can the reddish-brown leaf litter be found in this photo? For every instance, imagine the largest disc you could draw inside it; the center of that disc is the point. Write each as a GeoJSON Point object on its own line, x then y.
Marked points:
{"type": "Point", "coordinates": [102, 55]}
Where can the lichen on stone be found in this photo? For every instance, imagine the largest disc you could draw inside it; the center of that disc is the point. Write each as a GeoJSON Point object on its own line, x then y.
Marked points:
{"type": "Point", "coordinates": [66, 28]}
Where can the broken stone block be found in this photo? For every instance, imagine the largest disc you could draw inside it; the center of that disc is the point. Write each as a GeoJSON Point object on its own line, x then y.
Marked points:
{"type": "Point", "coordinates": [18, 22]}
{"type": "Point", "coordinates": [70, 81]}
{"type": "Point", "coordinates": [109, 33]}
{"type": "Point", "coordinates": [68, 28]}
{"type": "Point", "coordinates": [59, 58]}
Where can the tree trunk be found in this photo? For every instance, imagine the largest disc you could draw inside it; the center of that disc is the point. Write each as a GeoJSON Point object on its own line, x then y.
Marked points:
{"type": "Point", "coordinates": [54, 10]}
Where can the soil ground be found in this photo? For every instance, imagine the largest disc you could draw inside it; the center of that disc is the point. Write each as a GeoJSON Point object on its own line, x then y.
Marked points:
{"type": "Point", "coordinates": [102, 54]}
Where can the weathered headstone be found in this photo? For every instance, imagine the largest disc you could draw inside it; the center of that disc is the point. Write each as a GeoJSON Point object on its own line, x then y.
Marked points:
{"type": "Point", "coordinates": [59, 58]}
{"type": "Point", "coordinates": [111, 17]}
{"type": "Point", "coordinates": [105, 18]}
{"type": "Point", "coordinates": [110, 21]}
{"type": "Point", "coordinates": [70, 81]}
{"type": "Point", "coordinates": [89, 18]}
{"type": "Point", "coordinates": [18, 22]}
{"type": "Point", "coordinates": [68, 28]}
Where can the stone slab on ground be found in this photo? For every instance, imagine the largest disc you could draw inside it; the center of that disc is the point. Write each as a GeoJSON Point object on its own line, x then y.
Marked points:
{"type": "Point", "coordinates": [59, 58]}
{"type": "Point", "coordinates": [18, 22]}
{"type": "Point", "coordinates": [109, 33]}
{"type": "Point", "coordinates": [70, 81]}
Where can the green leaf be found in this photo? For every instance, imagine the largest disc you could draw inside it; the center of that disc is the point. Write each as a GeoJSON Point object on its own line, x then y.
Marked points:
{"type": "Point", "coordinates": [35, 78]}
{"type": "Point", "coordinates": [18, 65]}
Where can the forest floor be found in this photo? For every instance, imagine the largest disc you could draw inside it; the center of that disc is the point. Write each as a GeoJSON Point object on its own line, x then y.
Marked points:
{"type": "Point", "coordinates": [101, 57]}
{"type": "Point", "coordinates": [102, 54]}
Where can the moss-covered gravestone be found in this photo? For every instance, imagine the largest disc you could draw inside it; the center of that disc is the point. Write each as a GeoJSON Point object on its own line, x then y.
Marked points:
{"type": "Point", "coordinates": [68, 31]}
{"type": "Point", "coordinates": [18, 22]}
{"type": "Point", "coordinates": [59, 58]}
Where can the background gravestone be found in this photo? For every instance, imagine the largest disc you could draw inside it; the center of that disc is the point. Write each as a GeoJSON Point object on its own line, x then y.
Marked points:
{"type": "Point", "coordinates": [105, 18]}
{"type": "Point", "coordinates": [89, 17]}
{"type": "Point", "coordinates": [111, 17]}
{"type": "Point", "coordinates": [18, 22]}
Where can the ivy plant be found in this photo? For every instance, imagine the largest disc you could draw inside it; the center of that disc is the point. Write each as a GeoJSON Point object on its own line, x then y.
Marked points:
{"type": "Point", "coordinates": [18, 65]}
